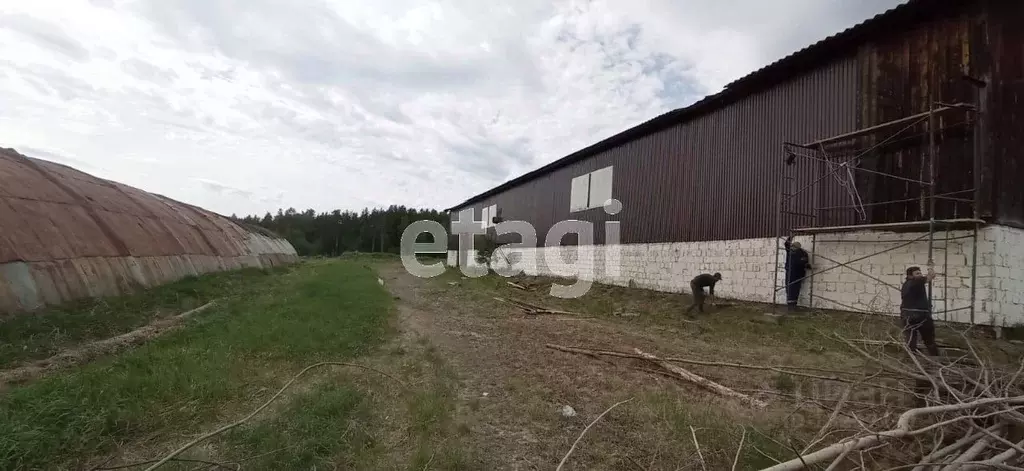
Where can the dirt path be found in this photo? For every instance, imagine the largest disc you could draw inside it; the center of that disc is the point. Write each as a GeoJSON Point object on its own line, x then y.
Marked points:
{"type": "Point", "coordinates": [511, 388]}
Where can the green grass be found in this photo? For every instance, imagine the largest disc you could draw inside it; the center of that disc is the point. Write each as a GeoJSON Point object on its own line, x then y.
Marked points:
{"type": "Point", "coordinates": [42, 334]}
{"type": "Point", "coordinates": [320, 429]}
{"type": "Point", "coordinates": [237, 352]}
{"type": "Point", "coordinates": [718, 435]}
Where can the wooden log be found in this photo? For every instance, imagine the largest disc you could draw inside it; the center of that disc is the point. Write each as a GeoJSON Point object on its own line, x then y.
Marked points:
{"type": "Point", "coordinates": [782, 369]}
{"type": "Point", "coordinates": [701, 381]}
{"type": "Point", "coordinates": [528, 310]}
{"type": "Point", "coordinates": [540, 309]}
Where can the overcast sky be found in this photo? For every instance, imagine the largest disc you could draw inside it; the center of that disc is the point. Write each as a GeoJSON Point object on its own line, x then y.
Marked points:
{"type": "Point", "coordinates": [245, 106]}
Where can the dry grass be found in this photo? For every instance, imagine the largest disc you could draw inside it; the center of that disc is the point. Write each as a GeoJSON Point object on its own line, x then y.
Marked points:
{"type": "Point", "coordinates": [496, 348]}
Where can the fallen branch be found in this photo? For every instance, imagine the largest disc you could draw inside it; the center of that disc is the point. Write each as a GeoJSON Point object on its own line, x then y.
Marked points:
{"type": "Point", "coordinates": [541, 309]}
{"type": "Point", "coordinates": [245, 419]}
{"type": "Point", "coordinates": [696, 444]}
{"type": "Point", "coordinates": [832, 418]}
{"type": "Point", "coordinates": [584, 432]}
{"type": "Point", "coordinates": [884, 364]}
{"type": "Point", "coordinates": [701, 381]}
{"type": "Point", "coordinates": [902, 430]}
{"type": "Point", "coordinates": [555, 312]}
{"type": "Point", "coordinates": [236, 466]}
{"type": "Point", "coordinates": [520, 306]}
{"type": "Point", "coordinates": [955, 446]}
{"type": "Point", "coordinates": [517, 286]}
{"type": "Point", "coordinates": [532, 308]}
{"type": "Point", "coordinates": [93, 350]}
{"type": "Point", "coordinates": [777, 369]}
{"type": "Point", "coordinates": [892, 343]}
{"type": "Point", "coordinates": [739, 449]}
{"type": "Point", "coordinates": [819, 402]}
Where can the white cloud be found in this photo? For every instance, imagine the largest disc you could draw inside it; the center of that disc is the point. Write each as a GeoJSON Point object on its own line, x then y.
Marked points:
{"type": "Point", "coordinates": [244, 106]}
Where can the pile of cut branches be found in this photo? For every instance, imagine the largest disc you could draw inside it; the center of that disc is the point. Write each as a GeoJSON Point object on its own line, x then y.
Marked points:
{"type": "Point", "coordinates": [965, 415]}
{"type": "Point", "coordinates": [956, 411]}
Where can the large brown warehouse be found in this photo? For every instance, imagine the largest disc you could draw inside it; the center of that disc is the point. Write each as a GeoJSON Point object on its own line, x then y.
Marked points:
{"type": "Point", "coordinates": [893, 142]}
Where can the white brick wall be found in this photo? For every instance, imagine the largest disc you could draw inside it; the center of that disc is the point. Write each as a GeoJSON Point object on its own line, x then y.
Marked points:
{"type": "Point", "coordinates": [748, 270]}
{"type": "Point", "coordinates": [1004, 273]}
{"type": "Point", "coordinates": [857, 286]}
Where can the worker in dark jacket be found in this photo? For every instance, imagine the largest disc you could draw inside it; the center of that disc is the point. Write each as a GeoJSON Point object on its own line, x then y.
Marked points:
{"type": "Point", "coordinates": [697, 286]}
{"type": "Point", "coordinates": [916, 311]}
{"type": "Point", "coordinates": [797, 264]}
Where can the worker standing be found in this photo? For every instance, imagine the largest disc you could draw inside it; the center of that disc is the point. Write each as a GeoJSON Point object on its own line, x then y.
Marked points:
{"type": "Point", "coordinates": [797, 264]}
{"type": "Point", "coordinates": [916, 311]}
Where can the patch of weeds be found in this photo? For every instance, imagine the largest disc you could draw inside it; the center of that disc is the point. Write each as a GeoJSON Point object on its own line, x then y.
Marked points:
{"type": "Point", "coordinates": [433, 355]}
{"type": "Point", "coordinates": [431, 410]}
{"type": "Point", "coordinates": [718, 433]}
{"type": "Point", "coordinates": [319, 429]}
{"type": "Point", "coordinates": [785, 383]}
{"type": "Point", "coordinates": [45, 333]}
{"type": "Point", "coordinates": [440, 457]}
{"type": "Point", "coordinates": [319, 311]}
{"type": "Point", "coordinates": [432, 424]}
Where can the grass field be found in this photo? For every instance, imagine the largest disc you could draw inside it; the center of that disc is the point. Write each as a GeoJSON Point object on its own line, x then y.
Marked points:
{"type": "Point", "coordinates": [472, 383]}
{"type": "Point", "coordinates": [266, 326]}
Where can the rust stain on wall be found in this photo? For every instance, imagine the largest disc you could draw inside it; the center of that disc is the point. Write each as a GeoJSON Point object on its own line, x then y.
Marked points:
{"type": "Point", "coordinates": [65, 234]}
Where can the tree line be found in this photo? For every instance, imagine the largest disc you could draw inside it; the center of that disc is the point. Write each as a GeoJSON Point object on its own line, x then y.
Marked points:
{"type": "Point", "coordinates": [336, 232]}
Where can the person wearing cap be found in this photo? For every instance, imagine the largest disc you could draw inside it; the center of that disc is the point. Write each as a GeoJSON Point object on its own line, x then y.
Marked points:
{"type": "Point", "coordinates": [916, 311]}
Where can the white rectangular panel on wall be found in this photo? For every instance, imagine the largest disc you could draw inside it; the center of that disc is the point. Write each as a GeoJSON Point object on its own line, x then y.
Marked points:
{"type": "Point", "coordinates": [600, 187]}
{"type": "Point", "coordinates": [579, 193]}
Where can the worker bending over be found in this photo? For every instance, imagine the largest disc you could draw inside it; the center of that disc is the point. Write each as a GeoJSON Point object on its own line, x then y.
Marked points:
{"type": "Point", "coordinates": [697, 286]}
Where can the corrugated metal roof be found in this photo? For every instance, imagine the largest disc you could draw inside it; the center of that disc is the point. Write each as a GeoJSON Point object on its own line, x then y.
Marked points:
{"type": "Point", "coordinates": [65, 234]}
{"type": "Point", "coordinates": [911, 12]}
{"type": "Point", "coordinates": [63, 213]}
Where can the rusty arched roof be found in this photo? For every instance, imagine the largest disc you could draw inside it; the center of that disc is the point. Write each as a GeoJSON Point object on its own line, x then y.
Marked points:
{"type": "Point", "coordinates": [51, 213]}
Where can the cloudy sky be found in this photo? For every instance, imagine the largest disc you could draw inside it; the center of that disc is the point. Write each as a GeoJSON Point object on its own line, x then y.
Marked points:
{"type": "Point", "coordinates": [245, 106]}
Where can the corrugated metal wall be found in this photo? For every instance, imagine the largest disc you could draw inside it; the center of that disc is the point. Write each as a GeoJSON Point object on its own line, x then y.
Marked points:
{"type": "Point", "coordinates": [903, 74]}
{"type": "Point", "coordinates": [715, 177]}
{"type": "Point", "coordinates": [719, 175]}
{"type": "Point", "coordinates": [65, 235]}
{"type": "Point", "coordinates": [1005, 106]}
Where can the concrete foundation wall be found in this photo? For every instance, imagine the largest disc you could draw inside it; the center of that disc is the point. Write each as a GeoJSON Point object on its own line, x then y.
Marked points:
{"type": "Point", "coordinates": [869, 283]}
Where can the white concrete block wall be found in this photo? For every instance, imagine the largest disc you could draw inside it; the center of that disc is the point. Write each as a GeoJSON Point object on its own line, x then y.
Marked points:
{"type": "Point", "coordinates": [748, 270]}
{"type": "Point", "coordinates": [871, 283]}
{"type": "Point", "coordinates": [1005, 272]}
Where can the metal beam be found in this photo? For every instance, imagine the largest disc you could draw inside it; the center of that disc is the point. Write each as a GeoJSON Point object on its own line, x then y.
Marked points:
{"type": "Point", "coordinates": [888, 225]}
{"type": "Point", "coordinates": [886, 125]}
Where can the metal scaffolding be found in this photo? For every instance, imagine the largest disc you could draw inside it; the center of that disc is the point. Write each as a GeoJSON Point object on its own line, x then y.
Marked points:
{"type": "Point", "coordinates": [836, 161]}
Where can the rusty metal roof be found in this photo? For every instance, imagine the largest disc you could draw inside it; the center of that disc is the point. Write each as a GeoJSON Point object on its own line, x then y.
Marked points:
{"type": "Point", "coordinates": [830, 48]}
{"type": "Point", "coordinates": [51, 212]}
